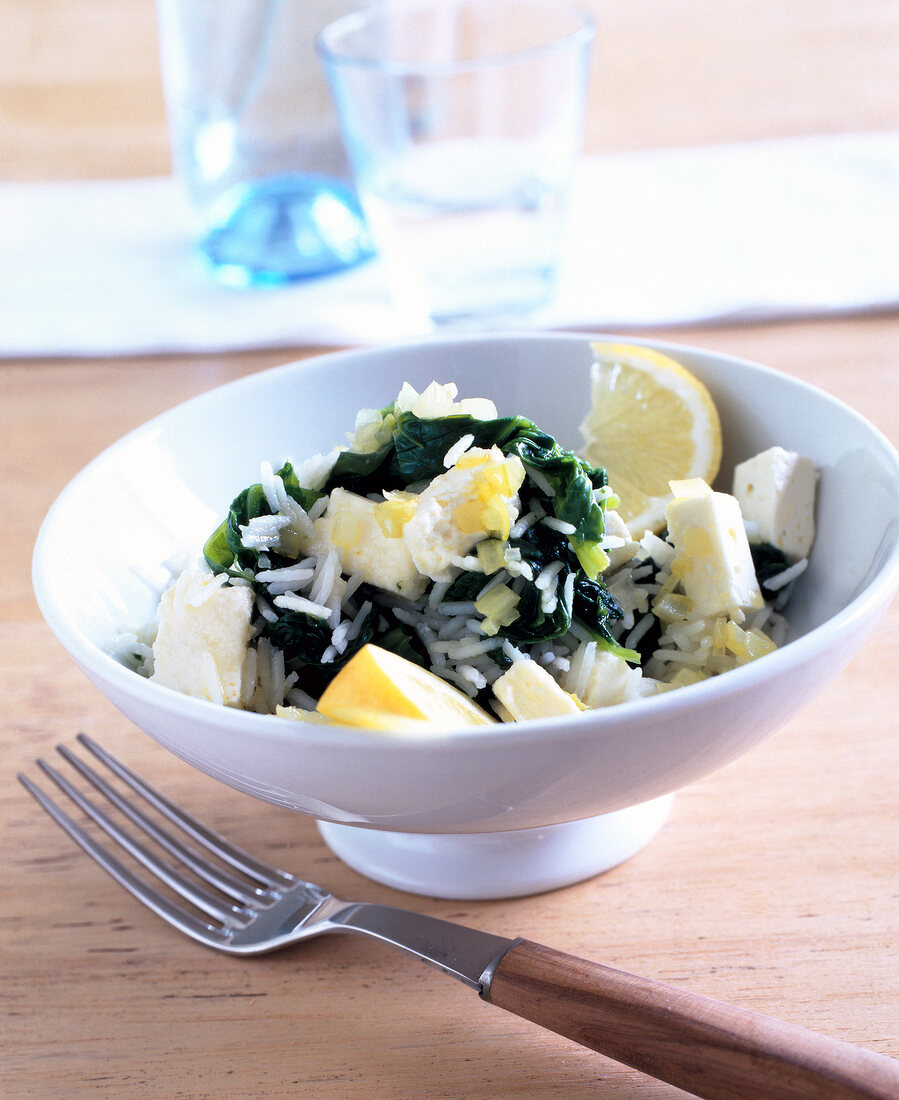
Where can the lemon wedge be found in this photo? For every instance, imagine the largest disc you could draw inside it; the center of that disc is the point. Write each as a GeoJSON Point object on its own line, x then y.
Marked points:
{"type": "Point", "coordinates": [650, 422]}
{"type": "Point", "coordinates": [379, 690]}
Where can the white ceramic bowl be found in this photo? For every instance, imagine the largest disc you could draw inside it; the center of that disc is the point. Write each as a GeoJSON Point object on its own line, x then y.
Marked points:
{"type": "Point", "coordinates": [512, 808]}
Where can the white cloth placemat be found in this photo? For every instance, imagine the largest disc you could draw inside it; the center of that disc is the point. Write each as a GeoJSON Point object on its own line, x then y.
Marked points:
{"type": "Point", "coordinates": [764, 230]}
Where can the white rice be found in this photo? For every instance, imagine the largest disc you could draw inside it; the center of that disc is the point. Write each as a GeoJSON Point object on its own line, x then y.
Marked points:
{"type": "Point", "coordinates": [318, 508]}
{"type": "Point", "coordinates": [542, 482]}
{"type": "Point", "coordinates": [451, 632]}
{"type": "Point", "coordinates": [559, 525]}
{"type": "Point", "coordinates": [265, 609]}
{"type": "Point", "coordinates": [548, 577]}
{"type": "Point", "coordinates": [580, 668]}
{"type": "Point", "coordinates": [466, 608]}
{"type": "Point", "coordinates": [455, 452]}
{"type": "Point", "coordinates": [644, 623]}
{"type": "Point", "coordinates": [781, 580]}
{"type": "Point", "coordinates": [263, 532]}
{"type": "Point", "coordinates": [463, 649]}
{"type": "Point", "coordinates": [300, 603]}
{"type": "Point", "coordinates": [348, 630]}
{"type": "Point", "coordinates": [284, 580]}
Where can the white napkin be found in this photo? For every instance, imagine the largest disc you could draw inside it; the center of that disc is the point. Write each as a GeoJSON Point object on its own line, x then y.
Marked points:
{"type": "Point", "coordinates": [796, 227]}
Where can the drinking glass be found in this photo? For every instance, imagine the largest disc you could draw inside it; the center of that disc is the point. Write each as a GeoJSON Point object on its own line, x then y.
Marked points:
{"type": "Point", "coordinates": [463, 122]}
{"type": "Point", "coordinates": [255, 140]}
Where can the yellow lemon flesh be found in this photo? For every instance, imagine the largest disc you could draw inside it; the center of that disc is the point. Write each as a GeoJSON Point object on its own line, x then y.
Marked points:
{"type": "Point", "coordinates": [379, 690]}
{"type": "Point", "coordinates": [650, 422]}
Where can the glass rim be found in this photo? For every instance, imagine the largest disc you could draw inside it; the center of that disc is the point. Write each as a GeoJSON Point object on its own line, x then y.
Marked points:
{"type": "Point", "coordinates": [580, 34]}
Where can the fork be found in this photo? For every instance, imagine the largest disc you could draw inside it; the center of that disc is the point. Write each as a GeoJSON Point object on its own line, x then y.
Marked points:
{"type": "Point", "coordinates": [243, 906]}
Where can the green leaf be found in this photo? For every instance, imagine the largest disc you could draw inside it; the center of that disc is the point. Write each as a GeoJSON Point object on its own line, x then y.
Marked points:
{"type": "Point", "coordinates": [415, 455]}
{"type": "Point", "coordinates": [592, 557]}
{"type": "Point", "coordinates": [304, 497]}
{"type": "Point", "coordinates": [224, 551]}
{"type": "Point", "coordinates": [611, 646]}
{"type": "Point", "coordinates": [769, 560]}
{"type": "Point", "coordinates": [364, 473]}
{"type": "Point", "coordinates": [572, 480]}
{"type": "Point", "coordinates": [405, 643]}
{"type": "Point", "coordinates": [216, 550]}
{"type": "Point", "coordinates": [420, 445]}
{"type": "Point", "coordinates": [305, 638]}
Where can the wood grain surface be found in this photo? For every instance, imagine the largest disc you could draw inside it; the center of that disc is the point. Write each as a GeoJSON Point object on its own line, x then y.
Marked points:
{"type": "Point", "coordinates": [772, 886]}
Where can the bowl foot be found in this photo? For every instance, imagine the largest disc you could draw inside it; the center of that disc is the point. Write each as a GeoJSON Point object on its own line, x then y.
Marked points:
{"type": "Point", "coordinates": [481, 866]}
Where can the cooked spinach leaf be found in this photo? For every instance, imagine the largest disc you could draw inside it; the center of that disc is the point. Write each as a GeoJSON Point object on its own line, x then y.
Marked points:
{"type": "Point", "coordinates": [218, 554]}
{"type": "Point", "coordinates": [592, 605]}
{"type": "Point", "coordinates": [224, 550]}
{"type": "Point", "coordinates": [563, 485]}
{"type": "Point", "coordinates": [304, 497]}
{"type": "Point", "coordinates": [572, 481]}
{"type": "Point", "coordinates": [769, 560]}
{"type": "Point", "coordinates": [305, 638]}
{"type": "Point", "coordinates": [421, 445]}
{"type": "Point", "coordinates": [365, 473]}
{"type": "Point", "coordinates": [404, 642]}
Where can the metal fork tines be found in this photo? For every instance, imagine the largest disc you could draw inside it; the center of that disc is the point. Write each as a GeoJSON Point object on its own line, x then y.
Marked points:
{"type": "Point", "coordinates": [236, 902]}
{"type": "Point", "coordinates": [229, 892]}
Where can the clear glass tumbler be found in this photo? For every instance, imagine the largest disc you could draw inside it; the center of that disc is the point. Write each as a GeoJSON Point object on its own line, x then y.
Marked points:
{"type": "Point", "coordinates": [462, 122]}
{"type": "Point", "coordinates": [255, 140]}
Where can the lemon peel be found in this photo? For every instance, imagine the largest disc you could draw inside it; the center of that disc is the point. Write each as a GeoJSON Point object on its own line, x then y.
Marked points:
{"type": "Point", "coordinates": [651, 421]}
{"type": "Point", "coordinates": [380, 690]}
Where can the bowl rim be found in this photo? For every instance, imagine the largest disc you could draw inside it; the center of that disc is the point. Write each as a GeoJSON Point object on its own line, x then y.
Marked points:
{"type": "Point", "coordinates": [865, 607]}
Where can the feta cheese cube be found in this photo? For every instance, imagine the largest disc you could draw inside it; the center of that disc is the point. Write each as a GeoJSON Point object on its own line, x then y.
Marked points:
{"type": "Point", "coordinates": [202, 638]}
{"type": "Point", "coordinates": [776, 491]}
{"type": "Point", "coordinates": [611, 680]}
{"type": "Point", "coordinates": [351, 526]}
{"type": "Point", "coordinates": [527, 690]}
{"type": "Point", "coordinates": [713, 559]}
{"type": "Point", "coordinates": [474, 500]}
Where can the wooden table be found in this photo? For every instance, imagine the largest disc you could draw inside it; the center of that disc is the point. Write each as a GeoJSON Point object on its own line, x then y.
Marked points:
{"type": "Point", "coordinates": [773, 885]}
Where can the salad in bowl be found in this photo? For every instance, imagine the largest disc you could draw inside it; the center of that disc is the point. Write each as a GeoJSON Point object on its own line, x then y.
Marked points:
{"type": "Point", "coordinates": [345, 626]}
{"type": "Point", "coordinates": [450, 567]}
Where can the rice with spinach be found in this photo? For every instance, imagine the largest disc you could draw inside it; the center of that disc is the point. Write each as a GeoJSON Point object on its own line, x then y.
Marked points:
{"type": "Point", "coordinates": [462, 541]}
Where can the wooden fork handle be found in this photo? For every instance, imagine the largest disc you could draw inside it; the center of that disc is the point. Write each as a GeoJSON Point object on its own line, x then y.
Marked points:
{"type": "Point", "coordinates": [709, 1048]}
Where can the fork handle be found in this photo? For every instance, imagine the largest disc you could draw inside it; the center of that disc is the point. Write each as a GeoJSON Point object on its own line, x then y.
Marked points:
{"type": "Point", "coordinates": [707, 1047]}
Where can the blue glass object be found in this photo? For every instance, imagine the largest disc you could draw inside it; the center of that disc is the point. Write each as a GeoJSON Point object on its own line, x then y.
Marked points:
{"type": "Point", "coordinates": [285, 228]}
